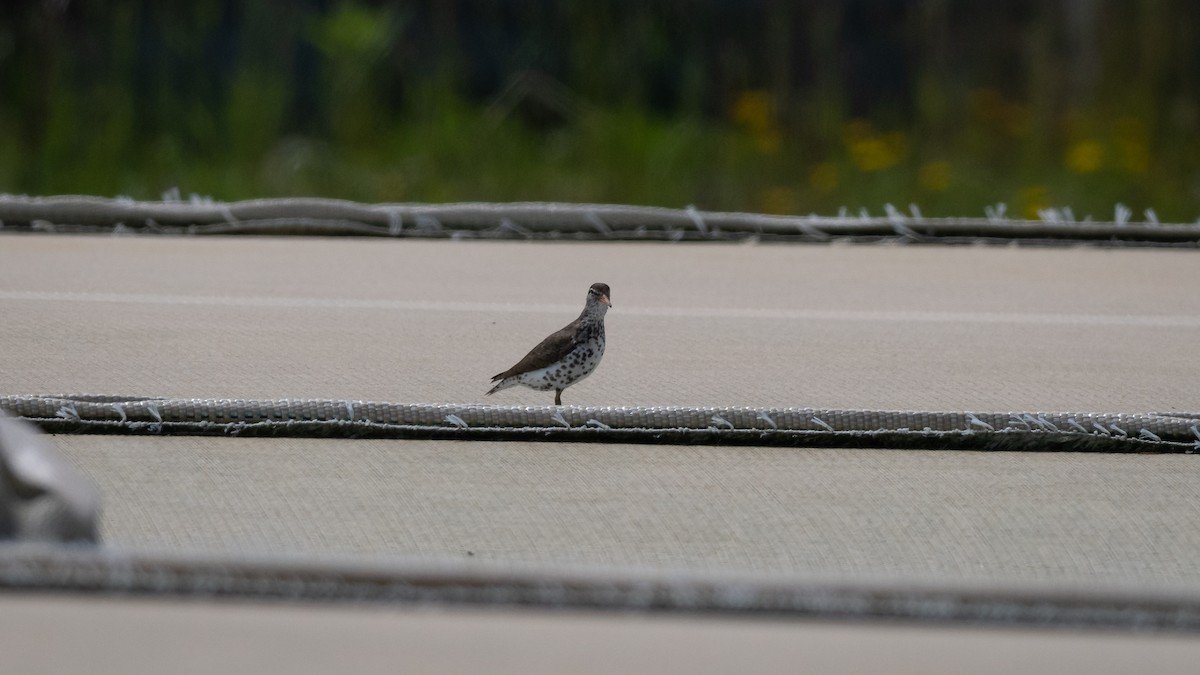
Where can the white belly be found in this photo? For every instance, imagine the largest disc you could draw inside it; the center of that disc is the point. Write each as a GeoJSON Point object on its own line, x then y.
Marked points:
{"type": "Point", "coordinates": [579, 364]}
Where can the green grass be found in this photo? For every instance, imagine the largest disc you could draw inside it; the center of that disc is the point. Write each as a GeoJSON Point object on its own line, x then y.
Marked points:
{"type": "Point", "coordinates": [453, 151]}
{"type": "Point", "coordinates": [103, 118]}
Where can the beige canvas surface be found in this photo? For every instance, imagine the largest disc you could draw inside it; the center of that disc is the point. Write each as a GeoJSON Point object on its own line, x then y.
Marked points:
{"type": "Point", "coordinates": [888, 327]}
{"type": "Point", "coordinates": [102, 636]}
{"type": "Point", "coordinates": [858, 515]}
{"type": "Point", "coordinates": [429, 321]}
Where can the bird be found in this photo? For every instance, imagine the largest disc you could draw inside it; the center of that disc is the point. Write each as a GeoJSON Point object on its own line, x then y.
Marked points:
{"type": "Point", "coordinates": [566, 356]}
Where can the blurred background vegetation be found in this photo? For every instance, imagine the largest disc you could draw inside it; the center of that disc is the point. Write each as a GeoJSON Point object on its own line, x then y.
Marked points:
{"type": "Point", "coordinates": [757, 105]}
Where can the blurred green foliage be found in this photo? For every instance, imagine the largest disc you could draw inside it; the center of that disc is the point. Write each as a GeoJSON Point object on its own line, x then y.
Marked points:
{"type": "Point", "coordinates": [762, 105]}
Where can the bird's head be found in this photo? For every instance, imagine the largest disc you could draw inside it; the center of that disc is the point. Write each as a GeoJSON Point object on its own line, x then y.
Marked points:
{"type": "Point", "coordinates": [599, 293]}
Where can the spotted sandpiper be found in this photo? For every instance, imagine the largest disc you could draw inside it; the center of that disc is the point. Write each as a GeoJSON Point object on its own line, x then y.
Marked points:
{"type": "Point", "coordinates": [565, 357]}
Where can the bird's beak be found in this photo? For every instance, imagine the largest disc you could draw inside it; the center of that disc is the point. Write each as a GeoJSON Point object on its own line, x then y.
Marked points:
{"type": "Point", "coordinates": [605, 301]}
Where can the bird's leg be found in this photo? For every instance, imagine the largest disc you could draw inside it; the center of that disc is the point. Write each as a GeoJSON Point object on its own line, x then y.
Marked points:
{"type": "Point", "coordinates": [558, 397]}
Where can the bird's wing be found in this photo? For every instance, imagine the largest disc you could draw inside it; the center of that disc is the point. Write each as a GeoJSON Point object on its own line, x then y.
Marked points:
{"type": "Point", "coordinates": [551, 350]}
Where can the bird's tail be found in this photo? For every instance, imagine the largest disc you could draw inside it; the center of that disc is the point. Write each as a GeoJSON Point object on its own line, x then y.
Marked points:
{"type": "Point", "coordinates": [502, 384]}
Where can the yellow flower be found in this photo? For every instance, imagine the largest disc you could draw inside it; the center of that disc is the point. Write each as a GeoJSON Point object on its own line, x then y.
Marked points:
{"type": "Point", "coordinates": [873, 151]}
{"type": "Point", "coordinates": [1085, 156]}
{"type": "Point", "coordinates": [934, 176]}
{"type": "Point", "coordinates": [878, 152]}
{"type": "Point", "coordinates": [753, 110]}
